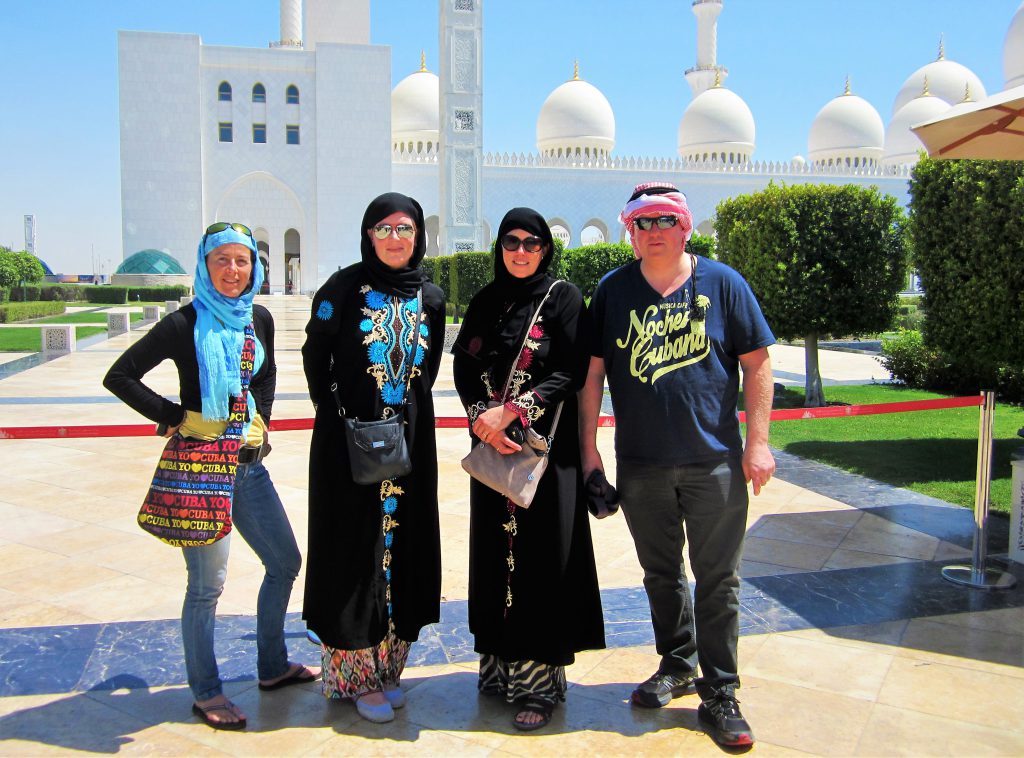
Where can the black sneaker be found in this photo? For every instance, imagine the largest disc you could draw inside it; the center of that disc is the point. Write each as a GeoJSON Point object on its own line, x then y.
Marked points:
{"type": "Point", "coordinates": [720, 717]}
{"type": "Point", "coordinates": [659, 690]}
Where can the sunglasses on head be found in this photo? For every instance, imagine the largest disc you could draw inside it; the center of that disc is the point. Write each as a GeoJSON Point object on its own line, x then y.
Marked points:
{"type": "Point", "coordinates": [663, 222]}
{"type": "Point", "coordinates": [383, 231]}
{"type": "Point", "coordinates": [530, 244]}
{"type": "Point", "coordinates": [220, 226]}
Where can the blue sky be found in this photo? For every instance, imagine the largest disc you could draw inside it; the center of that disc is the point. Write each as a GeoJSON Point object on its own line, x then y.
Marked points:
{"type": "Point", "coordinates": [59, 131]}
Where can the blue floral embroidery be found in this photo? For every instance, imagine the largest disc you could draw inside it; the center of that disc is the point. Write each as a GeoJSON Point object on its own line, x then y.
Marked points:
{"type": "Point", "coordinates": [388, 539]}
{"type": "Point", "coordinates": [378, 352]}
{"type": "Point", "coordinates": [376, 300]}
{"type": "Point", "coordinates": [390, 504]}
{"type": "Point", "coordinates": [325, 311]}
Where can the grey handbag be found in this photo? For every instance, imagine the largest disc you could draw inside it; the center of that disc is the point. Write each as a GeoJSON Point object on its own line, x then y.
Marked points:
{"type": "Point", "coordinates": [515, 475]}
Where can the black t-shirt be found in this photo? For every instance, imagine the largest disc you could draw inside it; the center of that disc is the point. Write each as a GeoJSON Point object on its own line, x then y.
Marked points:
{"type": "Point", "coordinates": [674, 385]}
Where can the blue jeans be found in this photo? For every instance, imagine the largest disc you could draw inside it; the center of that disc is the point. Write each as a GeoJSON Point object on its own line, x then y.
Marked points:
{"type": "Point", "coordinates": [258, 515]}
{"type": "Point", "coordinates": [710, 501]}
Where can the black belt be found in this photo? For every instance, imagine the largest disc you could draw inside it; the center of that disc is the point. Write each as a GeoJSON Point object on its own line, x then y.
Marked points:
{"type": "Point", "coordinates": [248, 454]}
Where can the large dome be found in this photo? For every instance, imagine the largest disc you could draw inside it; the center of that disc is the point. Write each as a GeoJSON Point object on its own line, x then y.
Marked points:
{"type": "Point", "coordinates": [901, 144]}
{"type": "Point", "coordinates": [150, 262]}
{"type": "Point", "coordinates": [414, 112]}
{"type": "Point", "coordinates": [946, 80]}
{"type": "Point", "coordinates": [717, 126]}
{"type": "Point", "coordinates": [1013, 50]}
{"type": "Point", "coordinates": [847, 131]}
{"type": "Point", "coordinates": [576, 119]}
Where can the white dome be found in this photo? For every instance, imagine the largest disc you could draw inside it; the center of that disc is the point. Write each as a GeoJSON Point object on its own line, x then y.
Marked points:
{"type": "Point", "coordinates": [717, 125]}
{"type": "Point", "coordinates": [901, 144]}
{"type": "Point", "coordinates": [414, 112]}
{"type": "Point", "coordinates": [847, 130]}
{"type": "Point", "coordinates": [576, 119]}
{"type": "Point", "coordinates": [1013, 51]}
{"type": "Point", "coordinates": [946, 80]}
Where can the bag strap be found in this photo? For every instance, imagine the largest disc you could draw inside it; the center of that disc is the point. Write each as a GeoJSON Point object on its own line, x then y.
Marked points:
{"type": "Point", "coordinates": [512, 369]}
{"type": "Point", "coordinates": [411, 358]}
{"type": "Point", "coordinates": [245, 376]}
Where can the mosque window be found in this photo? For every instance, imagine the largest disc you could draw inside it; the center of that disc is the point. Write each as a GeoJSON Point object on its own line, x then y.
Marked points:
{"type": "Point", "coordinates": [224, 131]}
{"type": "Point", "coordinates": [291, 95]}
{"type": "Point", "coordinates": [259, 93]}
{"type": "Point", "coordinates": [224, 92]}
{"type": "Point", "coordinates": [259, 134]}
{"type": "Point", "coordinates": [291, 133]}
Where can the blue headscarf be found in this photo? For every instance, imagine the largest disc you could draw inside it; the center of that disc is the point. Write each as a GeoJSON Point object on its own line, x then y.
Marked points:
{"type": "Point", "coordinates": [220, 329]}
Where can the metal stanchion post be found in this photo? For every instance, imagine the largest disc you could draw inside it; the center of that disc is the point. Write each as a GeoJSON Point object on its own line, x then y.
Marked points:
{"type": "Point", "coordinates": [977, 575]}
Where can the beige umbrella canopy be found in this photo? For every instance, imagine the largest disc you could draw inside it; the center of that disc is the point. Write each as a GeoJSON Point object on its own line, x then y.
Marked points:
{"type": "Point", "coordinates": [992, 128]}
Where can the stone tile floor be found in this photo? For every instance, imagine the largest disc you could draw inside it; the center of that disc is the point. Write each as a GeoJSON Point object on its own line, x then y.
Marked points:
{"type": "Point", "coordinates": [852, 644]}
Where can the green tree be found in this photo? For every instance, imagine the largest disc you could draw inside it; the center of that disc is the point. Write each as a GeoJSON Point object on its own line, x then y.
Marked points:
{"type": "Point", "coordinates": [967, 227]}
{"type": "Point", "coordinates": [18, 268]}
{"type": "Point", "coordinates": [823, 260]}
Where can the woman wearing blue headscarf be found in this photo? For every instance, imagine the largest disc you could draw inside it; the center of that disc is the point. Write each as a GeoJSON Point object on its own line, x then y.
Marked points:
{"type": "Point", "coordinates": [205, 339]}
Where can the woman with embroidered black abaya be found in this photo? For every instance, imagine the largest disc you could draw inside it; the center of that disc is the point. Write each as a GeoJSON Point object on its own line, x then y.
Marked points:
{"type": "Point", "coordinates": [533, 593]}
{"type": "Point", "coordinates": [373, 348]}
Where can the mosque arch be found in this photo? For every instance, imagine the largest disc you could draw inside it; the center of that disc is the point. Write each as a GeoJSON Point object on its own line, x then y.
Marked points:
{"type": "Point", "coordinates": [488, 240]}
{"type": "Point", "coordinates": [224, 92]}
{"type": "Point", "coordinates": [560, 230]}
{"type": "Point", "coordinates": [705, 227]}
{"type": "Point", "coordinates": [432, 226]}
{"type": "Point", "coordinates": [263, 251]}
{"type": "Point", "coordinates": [292, 261]}
{"type": "Point", "coordinates": [594, 231]}
{"type": "Point", "coordinates": [291, 95]}
{"type": "Point", "coordinates": [259, 93]}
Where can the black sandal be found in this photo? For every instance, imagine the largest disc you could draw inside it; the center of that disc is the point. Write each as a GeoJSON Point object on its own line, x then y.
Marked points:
{"type": "Point", "coordinates": [533, 704]}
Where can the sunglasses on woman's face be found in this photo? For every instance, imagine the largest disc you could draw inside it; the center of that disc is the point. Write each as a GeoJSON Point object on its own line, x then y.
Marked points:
{"type": "Point", "coordinates": [530, 244]}
{"type": "Point", "coordinates": [383, 231]}
{"type": "Point", "coordinates": [663, 222]}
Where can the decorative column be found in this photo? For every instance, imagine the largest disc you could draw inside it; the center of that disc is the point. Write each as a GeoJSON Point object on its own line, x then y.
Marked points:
{"type": "Point", "coordinates": [702, 75]}
{"type": "Point", "coordinates": [291, 23]}
{"type": "Point", "coordinates": [461, 128]}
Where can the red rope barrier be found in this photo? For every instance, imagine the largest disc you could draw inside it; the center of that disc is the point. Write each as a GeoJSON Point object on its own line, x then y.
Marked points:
{"type": "Point", "coordinates": [460, 422]}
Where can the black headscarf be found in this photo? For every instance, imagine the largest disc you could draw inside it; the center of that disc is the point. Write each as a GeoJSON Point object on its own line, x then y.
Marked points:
{"type": "Point", "coordinates": [402, 282]}
{"type": "Point", "coordinates": [497, 318]}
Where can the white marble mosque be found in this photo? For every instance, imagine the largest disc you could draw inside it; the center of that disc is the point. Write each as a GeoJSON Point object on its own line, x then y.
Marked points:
{"type": "Point", "coordinates": [296, 138]}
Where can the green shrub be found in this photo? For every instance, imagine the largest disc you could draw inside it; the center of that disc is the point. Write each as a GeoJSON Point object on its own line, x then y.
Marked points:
{"type": "Point", "coordinates": [27, 293]}
{"type": "Point", "coordinates": [911, 362]}
{"type": "Point", "coordinates": [10, 312]}
{"type": "Point", "coordinates": [68, 293]}
{"type": "Point", "coordinates": [585, 266]}
{"type": "Point", "coordinates": [967, 226]}
{"type": "Point", "coordinates": [468, 273]}
{"type": "Point", "coordinates": [701, 244]}
{"type": "Point", "coordinates": [107, 294]}
{"type": "Point", "coordinates": [5, 295]}
{"type": "Point", "coordinates": [159, 293]}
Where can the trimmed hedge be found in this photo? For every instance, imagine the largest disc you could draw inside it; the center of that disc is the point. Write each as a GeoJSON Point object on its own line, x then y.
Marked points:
{"type": "Point", "coordinates": [585, 266]}
{"type": "Point", "coordinates": [108, 295]}
{"type": "Point", "coordinates": [10, 312]}
{"type": "Point", "coordinates": [157, 294]}
{"type": "Point", "coordinates": [967, 226]}
{"type": "Point", "coordinates": [468, 273]}
{"type": "Point", "coordinates": [438, 269]}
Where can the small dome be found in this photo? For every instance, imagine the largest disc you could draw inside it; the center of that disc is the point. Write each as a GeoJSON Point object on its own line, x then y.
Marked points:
{"type": "Point", "coordinates": [901, 144]}
{"type": "Point", "coordinates": [946, 80]}
{"type": "Point", "coordinates": [46, 269]}
{"type": "Point", "coordinates": [415, 104]}
{"type": "Point", "coordinates": [848, 130]}
{"type": "Point", "coordinates": [717, 126]}
{"type": "Point", "coordinates": [576, 119]}
{"type": "Point", "coordinates": [150, 262]}
{"type": "Point", "coordinates": [799, 160]}
{"type": "Point", "coordinates": [1013, 50]}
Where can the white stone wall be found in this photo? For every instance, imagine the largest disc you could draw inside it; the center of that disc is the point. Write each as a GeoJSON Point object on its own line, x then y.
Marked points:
{"type": "Point", "coordinates": [353, 160]}
{"type": "Point", "coordinates": [161, 158]}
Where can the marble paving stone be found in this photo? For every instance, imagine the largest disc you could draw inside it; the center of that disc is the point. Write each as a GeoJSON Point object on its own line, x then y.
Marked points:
{"type": "Point", "coordinates": [899, 731]}
{"type": "Point", "coordinates": [806, 528]}
{"type": "Point", "coordinates": [820, 665]}
{"type": "Point", "coordinates": [854, 559]}
{"type": "Point", "coordinates": [970, 647]}
{"type": "Point", "coordinates": [784, 553]}
{"type": "Point", "coordinates": [874, 534]}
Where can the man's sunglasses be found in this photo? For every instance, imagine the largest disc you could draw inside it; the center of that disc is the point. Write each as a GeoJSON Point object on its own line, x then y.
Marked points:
{"type": "Point", "coordinates": [383, 231]}
{"type": "Point", "coordinates": [663, 222]}
{"type": "Point", "coordinates": [220, 226]}
{"type": "Point", "coordinates": [530, 244]}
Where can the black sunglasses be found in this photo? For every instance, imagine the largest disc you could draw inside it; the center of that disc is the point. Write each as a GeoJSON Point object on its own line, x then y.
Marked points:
{"type": "Point", "coordinates": [663, 222]}
{"type": "Point", "coordinates": [530, 244]}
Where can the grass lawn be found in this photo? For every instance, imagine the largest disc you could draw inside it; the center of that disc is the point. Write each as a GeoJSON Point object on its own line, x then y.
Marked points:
{"type": "Point", "coordinates": [931, 452]}
{"type": "Point", "coordinates": [27, 339]}
{"type": "Point", "coordinates": [83, 317]}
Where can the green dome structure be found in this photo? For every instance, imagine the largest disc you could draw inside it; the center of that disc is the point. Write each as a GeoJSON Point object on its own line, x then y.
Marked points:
{"type": "Point", "coordinates": [150, 262]}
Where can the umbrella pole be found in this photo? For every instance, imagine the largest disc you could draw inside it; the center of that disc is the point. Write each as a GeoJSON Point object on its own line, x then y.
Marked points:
{"type": "Point", "coordinates": [977, 576]}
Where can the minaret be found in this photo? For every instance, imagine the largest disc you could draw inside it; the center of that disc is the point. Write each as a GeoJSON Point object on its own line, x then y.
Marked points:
{"type": "Point", "coordinates": [702, 75]}
{"type": "Point", "coordinates": [291, 24]}
{"type": "Point", "coordinates": [461, 128]}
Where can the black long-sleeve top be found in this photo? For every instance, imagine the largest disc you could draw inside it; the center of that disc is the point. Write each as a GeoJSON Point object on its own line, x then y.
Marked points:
{"type": "Point", "coordinates": [173, 338]}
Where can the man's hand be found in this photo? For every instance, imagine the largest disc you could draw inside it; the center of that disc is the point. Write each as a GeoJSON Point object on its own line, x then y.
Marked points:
{"type": "Point", "coordinates": [758, 465]}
